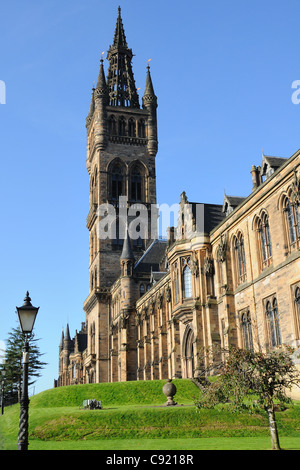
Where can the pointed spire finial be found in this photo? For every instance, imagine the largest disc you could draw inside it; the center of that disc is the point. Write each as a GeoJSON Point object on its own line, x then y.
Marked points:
{"type": "Point", "coordinates": [127, 250]}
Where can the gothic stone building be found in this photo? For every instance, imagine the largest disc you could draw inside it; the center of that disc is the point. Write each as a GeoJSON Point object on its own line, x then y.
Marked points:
{"type": "Point", "coordinates": [229, 276]}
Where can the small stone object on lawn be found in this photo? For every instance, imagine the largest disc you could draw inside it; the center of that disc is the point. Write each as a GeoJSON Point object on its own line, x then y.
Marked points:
{"type": "Point", "coordinates": [169, 389]}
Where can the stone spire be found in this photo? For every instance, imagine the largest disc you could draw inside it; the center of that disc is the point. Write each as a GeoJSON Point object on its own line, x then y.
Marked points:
{"type": "Point", "coordinates": [61, 344]}
{"type": "Point", "coordinates": [120, 81]}
{"type": "Point", "coordinates": [101, 88]}
{"type": "Point", "coordinates": [149, 95]}
{"type": "Point", "coordinates": [67, 338]}
{"type": "Point", "coordinates": [92, 109]}
{"type": "Point", "coordinates": [150, 104]}
{"type": "Point", "coordinates": [119, 37]}
{"type": "Point", "coordinates": [127, 253]}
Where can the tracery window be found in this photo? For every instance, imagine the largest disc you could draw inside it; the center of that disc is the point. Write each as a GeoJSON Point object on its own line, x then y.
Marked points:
{"type": "Point", "coordinates": [187, 282]}
{"type": "Point", "coordinates": [122, 126]}
{"type": "Point", "coordinates": [273, 324]}
{"type": "Point", "coordinates": [117, 182]}
{"type": "Point", "coordinates": [112, 125]}
{"type": "Point", "coordinates": [292, 222]}
{"type": "Point", "coordinates": [136, 185]}
{"type": "Point", "coordinates": [264, 241]}
{"type": "Point", "coordinates": [246, 327]}
{"type": "Point", "coordinates": [141, 129]}
{"type": "Point", "coordinates": [239, 258]}
{"type": "Point", "coordinates": [176, 283]}
{"type": "Point", "coordinates": [131, 127]}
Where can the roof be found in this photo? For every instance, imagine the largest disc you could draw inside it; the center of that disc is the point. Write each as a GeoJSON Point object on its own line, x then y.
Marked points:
{"type": "Point", "coordinates": [207, 216]}
{"type": "Point", "coordinates": [232, 201]}
{"type": "Point", "coordinates": [127, 250]}
{"type": "Point", "coordinates": [272, 162]}
{"type": "Point", "coordinates": [152, 257]}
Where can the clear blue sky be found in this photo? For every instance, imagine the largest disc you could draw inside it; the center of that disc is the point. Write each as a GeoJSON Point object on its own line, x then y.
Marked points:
{"type": "Point", "coordinates": [222, 72]}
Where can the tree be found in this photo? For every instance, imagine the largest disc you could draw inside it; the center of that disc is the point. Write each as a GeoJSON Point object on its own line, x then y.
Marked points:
{"type": "Point", "coordinates": [245, 373]}
{"type": "Point", "coordinates": [14, 367]}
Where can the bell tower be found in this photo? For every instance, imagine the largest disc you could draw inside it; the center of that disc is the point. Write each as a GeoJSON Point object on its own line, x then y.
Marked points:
{"type": "Point", "coordinates": [121, 150]}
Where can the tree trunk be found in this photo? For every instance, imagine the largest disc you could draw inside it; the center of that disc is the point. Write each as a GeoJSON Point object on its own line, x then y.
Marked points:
{"type": "Point", "coordinates": [273, 428]}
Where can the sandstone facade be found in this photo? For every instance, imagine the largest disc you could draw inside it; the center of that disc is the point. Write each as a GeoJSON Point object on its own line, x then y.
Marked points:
{"type": "Point", "coordinates": [228, 273]}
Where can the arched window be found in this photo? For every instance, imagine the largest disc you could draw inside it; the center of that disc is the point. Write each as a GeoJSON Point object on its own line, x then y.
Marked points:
{"type": "Point", "coordinates": [122, 126]}
{"type": "Point", "coordinates": [112, 126]}
{"type": "Point", "coordinates": [264, 240]}
{"type": "Point", "coordinates": [136, 185]}
{"type": "Point", "coordinates": [187, 282]}
{"type": "Point", "coordinates": [247, 330]}
{"type": "Point", "coordinates": [188, 353]}
{"type": "Point", "coordinates": [272, 315]}
{"type": "Point", "coordinates": [142, 289]}
{"type": "Point", "coordinates": [176, 284]}
{"type": "Point", "coordinates": [131, 128]}
{"type": "Point", "coordinates": [239, 255]}
{"type": "Point", "coordinates": [297, 302]}
{"type": "Point", "coordinates": [118, 231]}
{"type": "Point", "coordinates": [117, 182]}
{"type": "Point", "coordinates": [141, 129]}
{"type": "Point", "coordinates": [290, 221]}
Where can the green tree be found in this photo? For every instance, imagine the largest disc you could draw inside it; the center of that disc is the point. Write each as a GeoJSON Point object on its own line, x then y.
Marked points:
{"type": "Point", "coordinates": [14, 367]}
{"type": "Point", "coordinates": [245, 374]}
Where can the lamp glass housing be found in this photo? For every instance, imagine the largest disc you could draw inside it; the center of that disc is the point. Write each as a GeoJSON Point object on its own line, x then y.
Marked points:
{"type": "Point", "coordinates": [27, 318]}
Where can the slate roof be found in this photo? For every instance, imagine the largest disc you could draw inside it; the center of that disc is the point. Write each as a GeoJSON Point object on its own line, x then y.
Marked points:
{"type": "Point", "coordinates": [211, 213]}
{"type": "Point", "coordinates": [274, 162]}
{"type": "Point", "coordinates": [152, 257]}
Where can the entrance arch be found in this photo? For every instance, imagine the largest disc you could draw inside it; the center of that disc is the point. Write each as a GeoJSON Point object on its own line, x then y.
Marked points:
{"type": "Point", "coordinates": [188, 352]}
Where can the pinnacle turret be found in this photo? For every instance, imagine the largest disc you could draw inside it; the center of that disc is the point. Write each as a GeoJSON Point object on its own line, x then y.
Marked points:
{"type": "Point", "coordinates": [127, 253]}
{"type": "Point", "coordinates": [149, 95]}
{"type": "Point", "coordinates": [101, 88]}
{"type": "Point", "coordinates": [120, 80]}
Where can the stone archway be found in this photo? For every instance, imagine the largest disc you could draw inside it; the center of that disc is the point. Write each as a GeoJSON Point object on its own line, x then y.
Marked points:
{"type": "Point", "coordinates": [188, 352]}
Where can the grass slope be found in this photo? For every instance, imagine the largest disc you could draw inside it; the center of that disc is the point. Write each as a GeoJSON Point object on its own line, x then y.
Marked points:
{"type": "Point", "coordinates": [133, 414]}
{"type": "Point", "coordinates": [120, 394]}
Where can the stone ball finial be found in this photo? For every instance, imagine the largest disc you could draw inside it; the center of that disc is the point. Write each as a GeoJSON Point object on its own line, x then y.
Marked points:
{"type": "Point", "coordinates": [169, 389]}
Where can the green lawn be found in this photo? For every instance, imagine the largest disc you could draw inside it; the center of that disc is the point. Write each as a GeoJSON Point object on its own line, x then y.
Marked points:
{"type": "Point", "coordinates": [133, 418]}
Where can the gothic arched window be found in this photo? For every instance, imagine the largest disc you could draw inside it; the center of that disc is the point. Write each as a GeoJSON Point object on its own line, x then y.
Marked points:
{"type": "Point", "coordinates": [187, 282]}
{"type": "Point", "coordinates": [176, 284]}
{"type": "Point", "coordinates": [117, 182]}
{"type": "Point", "coordinates": [141, 129]}
{"type": "Point", "coordinates": [112, 126]}
{"type": "Point", "coordinates": [122, 126]}
{"type": "Point", "coordinates": [131, 128]}
{"type": "Point", "coordinates": [290, 221]}
{"type": "Point", "coordinates": [247, 330]}
{"type": "Point", "coordinates": [264, 241]}
{"type": "Point", "coordinates": [240, 261]}
{"type": "Point", "coordinates": [272, 315]}
{"type": "Point", "coordinates": [136, 185]}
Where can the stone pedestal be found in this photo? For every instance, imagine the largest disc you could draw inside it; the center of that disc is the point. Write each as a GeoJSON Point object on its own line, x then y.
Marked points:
{"type": "Point", "coordinates": [169, 389]}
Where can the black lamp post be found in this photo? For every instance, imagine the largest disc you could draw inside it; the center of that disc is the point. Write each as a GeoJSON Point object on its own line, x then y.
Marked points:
{"type": "Point", "coordinates": [3, 373]}
{"type": "Point", "coordinates": [27, 314]}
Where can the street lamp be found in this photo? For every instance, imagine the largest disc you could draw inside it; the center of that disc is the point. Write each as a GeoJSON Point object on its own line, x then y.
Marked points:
{"type": "Point", "coordinates": [3, 373]}
{"type": "Point", "coordinates": [27, 314]}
